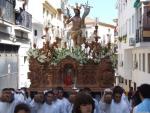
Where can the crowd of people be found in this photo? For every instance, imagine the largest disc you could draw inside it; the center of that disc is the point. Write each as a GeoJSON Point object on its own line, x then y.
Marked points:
{"type": "Point", "coordinates": [113, 100]}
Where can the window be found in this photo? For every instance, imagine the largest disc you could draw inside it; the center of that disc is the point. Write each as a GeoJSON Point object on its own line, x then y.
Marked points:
{"type": "Point", "coordinates": [143, 62]}
{"type": "Point", "coordinates": [139, 61]}
{"type": "Point", "coordinates": [129, 83]}
{"type": "Point", "coordinates": [126, 81]}
{"type": "Point", "coordinates": [43, 12]}
{"type": "Point", "coordinates": [35, 32]}
{"type": "Point", "coordinates": [25, 59]}
{"type": "Point", "coordinates": [126, 27]}
{"type": "Point", "coordinates": [52, 16]}
{"type": "Point", "coordinates": [134, 86]}
{"type": "Point", "coordinates": [121, 80]}
{"type": "Point", "coordinates": [129, 26]}
{"type": "Point", "coordinates": [135, 61]}
{"type": "Point", "coordinates": [134, 57]}
{"type": "Point", "coordinates": [103, 39]}
{"type": "Point", "coordinates": [59, 16]}
{"type": "Point", "coordinates": [146, 15]}
{"type": "Point", "coordinates": [148, 62]}
{"type": "Point", "coordinates": [47, 13]}
{"type": "Point", "coordinates": [132, 23]}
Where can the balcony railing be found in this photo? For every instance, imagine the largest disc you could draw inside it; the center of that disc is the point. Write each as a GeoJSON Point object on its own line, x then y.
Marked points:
{"type": "Point", "coordinates": [24, 19]}
{"type": "Point", "coordinates": [7, 10]}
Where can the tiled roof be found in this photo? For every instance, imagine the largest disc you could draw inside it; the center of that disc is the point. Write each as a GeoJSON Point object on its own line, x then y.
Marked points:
{"type": "Point", "coordinates": [89, 20]}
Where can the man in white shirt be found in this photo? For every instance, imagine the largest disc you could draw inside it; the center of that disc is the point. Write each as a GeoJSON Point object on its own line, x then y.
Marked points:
{"type": "Point", "coordinates": [7, 102]}
{"type": "Point", "coordinates": [48, 106]}
{"type": "Point", "coordinates": [106, 100]}
{"type": "Point", "coordinates": [118, 104]}
{"type": "Point", "coordinates": [37, 103]}
{"type": "Point", "coordinates": [64, 101]}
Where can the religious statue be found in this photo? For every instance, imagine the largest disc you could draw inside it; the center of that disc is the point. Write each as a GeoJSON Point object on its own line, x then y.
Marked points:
{"type": "Point", "coordinates": [78, 24]}
{"type": "Point", "coordinates": [46, 36]}
{"type": "Point", "coordinates": [68, 77]}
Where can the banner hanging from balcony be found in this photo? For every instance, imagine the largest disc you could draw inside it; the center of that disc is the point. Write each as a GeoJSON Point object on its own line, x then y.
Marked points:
{"type": "Point", "coordinates": [137, 4]}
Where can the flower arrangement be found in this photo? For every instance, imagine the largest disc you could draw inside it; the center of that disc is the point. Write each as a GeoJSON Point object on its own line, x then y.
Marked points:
{"type": "Point", "coordinates": [75, 53]}
{"type": "Point", "coordinates": [55, 55]}
{"type": "Point", "coordinates": [37, 54]}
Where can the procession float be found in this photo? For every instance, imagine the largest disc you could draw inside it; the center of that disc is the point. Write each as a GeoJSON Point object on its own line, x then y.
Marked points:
{"type": "Point", "coordinates": [72, 66]}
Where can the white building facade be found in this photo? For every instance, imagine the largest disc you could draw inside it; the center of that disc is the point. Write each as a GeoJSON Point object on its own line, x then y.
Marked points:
{"type": "Point", "coordinates": [133, 44]}
{"type": "Point", "coordinates": [15, 26]}
{"type": "Point", "coordinates": [105, 31]}
{"type": "Point", "coordinates": [50, 15]}
{"type": "Point", "coordinates": [20, 30]}
{"type": "Point", "coordinates": [46, 14]}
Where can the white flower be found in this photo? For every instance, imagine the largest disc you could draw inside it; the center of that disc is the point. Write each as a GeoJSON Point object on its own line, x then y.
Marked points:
{"type": "Point", "coordinates": [42, 58]}
{"type": "Point", "coordinates": [33, 53]}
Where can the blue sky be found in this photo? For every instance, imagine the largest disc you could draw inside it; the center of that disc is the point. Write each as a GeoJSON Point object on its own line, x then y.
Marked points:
{"type": "Point", "coordinates": [103, 9]}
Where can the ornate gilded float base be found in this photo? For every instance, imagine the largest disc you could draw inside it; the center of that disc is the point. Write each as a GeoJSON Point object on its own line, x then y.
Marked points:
{"type": "Point", "coordinates": [70, 74]}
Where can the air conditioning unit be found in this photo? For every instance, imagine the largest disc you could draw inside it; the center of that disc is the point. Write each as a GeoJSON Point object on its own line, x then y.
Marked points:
{"type": "Point", "coordinates": [132, 42]}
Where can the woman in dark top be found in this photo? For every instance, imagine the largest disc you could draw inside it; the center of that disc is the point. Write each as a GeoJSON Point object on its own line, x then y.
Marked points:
{"type": "Point", "coordinates": [22, 108]}
{"type": "Point", "coordinates": [83, 103]}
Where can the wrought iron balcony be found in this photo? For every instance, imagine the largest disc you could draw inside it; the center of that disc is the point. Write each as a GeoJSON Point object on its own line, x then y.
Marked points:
{"type": "Point", "coordinates": [7, 10]}
{"type": "Point", "coordinates": [24, 19]}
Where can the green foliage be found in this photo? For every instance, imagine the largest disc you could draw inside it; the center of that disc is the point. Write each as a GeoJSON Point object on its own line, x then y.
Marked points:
{"type": "Point", "coordinates": [114, 60]}
{"type": "Point", "coordinates": [37, 54]}
{"type": "Point", "coordinates": [75, 53]}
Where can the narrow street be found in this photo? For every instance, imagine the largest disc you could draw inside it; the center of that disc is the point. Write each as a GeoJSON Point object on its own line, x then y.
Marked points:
{"type": "Point", "coordinates": [73, 56]}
